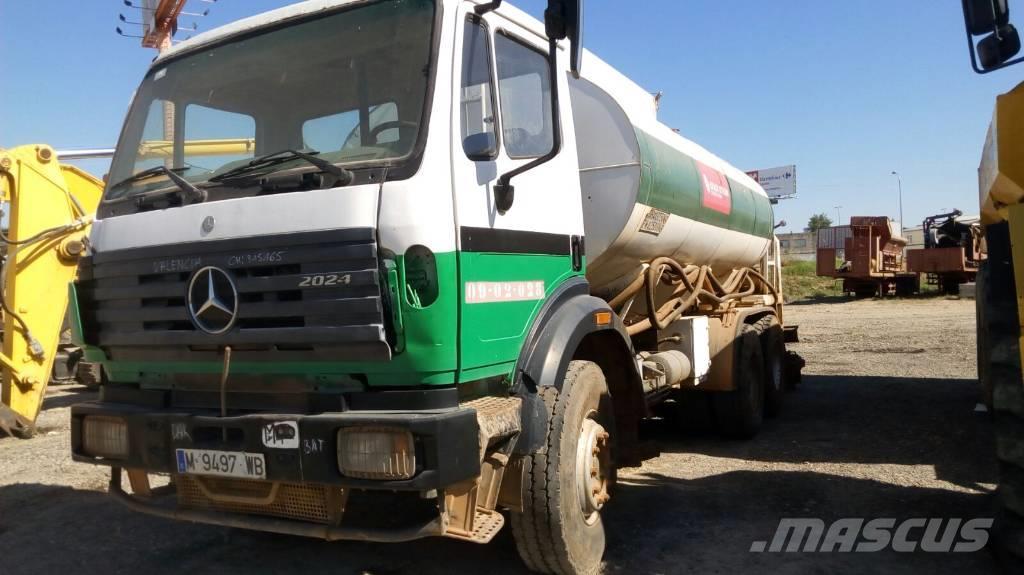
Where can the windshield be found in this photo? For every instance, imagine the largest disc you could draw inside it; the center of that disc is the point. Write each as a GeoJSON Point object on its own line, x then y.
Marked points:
{"type": "Point", "coordinates": [351, 86]}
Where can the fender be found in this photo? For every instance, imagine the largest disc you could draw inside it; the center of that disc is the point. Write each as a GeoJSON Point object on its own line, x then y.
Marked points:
{"type": "Point", "coordinates": [720, 378]}
{"type": "Point", "coordinates": [562, 324]}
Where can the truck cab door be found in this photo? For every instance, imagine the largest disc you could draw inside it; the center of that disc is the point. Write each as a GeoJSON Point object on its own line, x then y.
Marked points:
{"type": "Point", "coordinates": [508, 263]}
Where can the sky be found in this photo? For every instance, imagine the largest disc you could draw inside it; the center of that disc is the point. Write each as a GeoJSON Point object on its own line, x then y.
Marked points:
{"type": "Point", "coordinates": [847, 91]}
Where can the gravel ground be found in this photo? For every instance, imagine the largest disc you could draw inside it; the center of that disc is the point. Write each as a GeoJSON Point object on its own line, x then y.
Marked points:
{"type": "Point", "coordinates": [882, 426]}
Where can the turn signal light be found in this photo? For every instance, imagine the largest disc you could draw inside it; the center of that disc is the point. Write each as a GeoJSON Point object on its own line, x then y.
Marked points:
{"type": "Point", "coordinates": [104, 436]}
{"type": "Point", "coordinates": [376, 453]}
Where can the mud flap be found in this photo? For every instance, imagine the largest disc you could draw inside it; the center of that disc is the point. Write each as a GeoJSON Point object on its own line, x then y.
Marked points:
{"type": "Point", "coordinates": [793, 365]}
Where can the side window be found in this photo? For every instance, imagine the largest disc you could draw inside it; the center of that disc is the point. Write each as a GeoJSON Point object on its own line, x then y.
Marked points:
{"type": "Point", "coordinates": [236, 134]}
{"type": "Point", "coordinates": [477, 95]}
{"type": "Point", "coordinates": [524, 86]}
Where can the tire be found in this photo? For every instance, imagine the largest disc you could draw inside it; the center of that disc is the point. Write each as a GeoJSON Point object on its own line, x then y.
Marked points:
{"type": "Point", "coordinates": [1000, 369]}
{"type": "Point", "coordinates": [65, 361]}
{"type": "Point", "coordinates": [773, 349]}
{"type": "Point", "coordinates": [906, 287]}
{"type": "Point", "coordinates": [739, 413]}
{"type": "Point", "coordinates": [691, 412]}
{"type": "Point", "coordinates": [983, 345]}
{"type": "Point", "coordinates": [554, 534]}
{"type": "Point", "coordinates": [865, 292]}
{"type": "Point", "coordinates": [89, 374]}
{"type": "Point", "coordinates": [1008, 535]}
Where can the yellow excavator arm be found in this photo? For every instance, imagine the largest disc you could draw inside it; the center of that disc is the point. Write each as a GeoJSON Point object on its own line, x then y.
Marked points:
{"type": "Point", "coordinates": [51, 210]}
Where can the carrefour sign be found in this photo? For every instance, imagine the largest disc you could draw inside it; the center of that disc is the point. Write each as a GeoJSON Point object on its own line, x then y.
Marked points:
{"type": "Point", "coordinates": [777, 182]}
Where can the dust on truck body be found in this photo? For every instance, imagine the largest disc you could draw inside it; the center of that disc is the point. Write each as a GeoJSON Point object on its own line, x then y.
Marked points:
{"type": "Point", "coordinates": [369, 330]}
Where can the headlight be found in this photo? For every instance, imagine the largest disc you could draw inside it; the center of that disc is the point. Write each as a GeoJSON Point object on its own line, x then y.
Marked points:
{"type": "Point", "coordinates": [376, 453]}
{"type": "Point", "coordinates": [104, 436]}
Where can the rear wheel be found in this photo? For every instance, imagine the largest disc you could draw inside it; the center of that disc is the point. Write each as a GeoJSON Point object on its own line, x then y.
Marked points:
{"type": "Point", "coordinates": [983, 345]}
{"type": "Point", "coordinates": [739, 413]}
{"type": "Point", "coordinates": [560, 530]}
{"type": "Point", "coordinates": [864, 292]}
{"type": "Point", "coordinates": [773, 348]}
{"type": "Point", "coordinates": [1000, 369]}
{"type": "Point", "coordinates": [907, 286]}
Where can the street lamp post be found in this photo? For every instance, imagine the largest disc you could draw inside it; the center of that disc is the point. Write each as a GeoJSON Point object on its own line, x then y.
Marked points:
{"type": "Point", "coordinates": [899, 183]}
{"type": "Point", "coordinates": [839, 219]}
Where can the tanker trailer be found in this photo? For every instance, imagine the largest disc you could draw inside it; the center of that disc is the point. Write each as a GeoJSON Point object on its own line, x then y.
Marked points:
{"type": "Point", "coordinates": [663, 215]}
{"type": "Point", "coordinates": [459, 271]}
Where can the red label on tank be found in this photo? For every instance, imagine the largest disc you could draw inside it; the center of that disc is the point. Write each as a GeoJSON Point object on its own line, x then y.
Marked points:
{"type": "Point", "coordinates": [716, 195]}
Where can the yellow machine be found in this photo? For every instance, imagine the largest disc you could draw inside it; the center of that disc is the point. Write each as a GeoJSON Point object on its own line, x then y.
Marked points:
{"type": "Point", "coordinates": [51, 210]}
{"type": "Point", "coordinates": [1001, 174]}
{"type": "Point", "coordinates": [1001, 182]}
{"type": "Point", "coordinates": [1000, 305]}
{"type": "Point", "coordinates": [1000, 281]}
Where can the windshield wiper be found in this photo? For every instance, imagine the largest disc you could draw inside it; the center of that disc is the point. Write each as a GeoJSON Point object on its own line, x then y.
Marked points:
{"type": "Point", "coordinates": [269, 160]}
{"type": "Point", "coordinates": [189, 192]}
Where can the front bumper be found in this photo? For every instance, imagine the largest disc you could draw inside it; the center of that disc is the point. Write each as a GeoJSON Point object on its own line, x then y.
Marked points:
{"type": "Point", "coordinates": [447, 443]}
{"type": "Point", "coordinates": [163, 505]}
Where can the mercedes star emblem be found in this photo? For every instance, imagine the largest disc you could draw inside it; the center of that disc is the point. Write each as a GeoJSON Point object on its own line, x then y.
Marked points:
{"type": "Point", "coordinates": [208, 224]}
{"type": "Point", "coordinates": [212, 300]}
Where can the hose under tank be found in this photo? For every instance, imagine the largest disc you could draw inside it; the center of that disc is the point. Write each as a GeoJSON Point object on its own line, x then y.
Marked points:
{"type": "Point", "coordinates": [694, 285]}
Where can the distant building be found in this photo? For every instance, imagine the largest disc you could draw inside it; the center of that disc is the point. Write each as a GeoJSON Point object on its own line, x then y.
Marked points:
{"type": "Point", "coordinates": [798, 246]}
{"type": "Point", "coordinates": [915, 237]}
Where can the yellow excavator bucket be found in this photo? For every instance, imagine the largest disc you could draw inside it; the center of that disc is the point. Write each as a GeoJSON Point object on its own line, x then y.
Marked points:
{"type": "Point", "coordinates": [51, 209]}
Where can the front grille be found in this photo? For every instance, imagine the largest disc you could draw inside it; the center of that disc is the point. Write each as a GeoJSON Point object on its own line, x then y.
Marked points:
{"type": "Point", "coordinates": [299, 296]}
{"type": "Point", "coordinates": [302, 502]}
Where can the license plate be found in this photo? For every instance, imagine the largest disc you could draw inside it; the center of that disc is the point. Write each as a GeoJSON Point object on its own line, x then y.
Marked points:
{"type": "Point", "coordinates": [222, 463]}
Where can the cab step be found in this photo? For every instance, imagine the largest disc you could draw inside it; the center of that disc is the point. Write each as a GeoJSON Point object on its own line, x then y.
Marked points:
{"type": "Point", "coordinates": [486, 525]}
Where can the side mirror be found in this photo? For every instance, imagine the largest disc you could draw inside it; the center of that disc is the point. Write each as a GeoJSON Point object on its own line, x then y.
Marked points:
{"type": "Point", "coordinates": [1000, 42]}
{"type": "Point", "coordinates": [480, 147]}
{"type": "Point", "coordinates": [983, 16]}
{"type": "Point", "coordinates": [781, 224]}
{"type": "Point", "coordinates": [997, 48]}
{"type": "Point", "coordinates": [564, 19]}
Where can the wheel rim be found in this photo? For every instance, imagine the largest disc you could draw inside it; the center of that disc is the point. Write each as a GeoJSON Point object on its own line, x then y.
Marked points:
{"type": "Point", "coordinates": [593, 463]}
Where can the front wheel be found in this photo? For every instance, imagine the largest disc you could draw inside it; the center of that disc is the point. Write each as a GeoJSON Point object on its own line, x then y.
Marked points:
{"type": "Point", "coordinates": [560, 530]}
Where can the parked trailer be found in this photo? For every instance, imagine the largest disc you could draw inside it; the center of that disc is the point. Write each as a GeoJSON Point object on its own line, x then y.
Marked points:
{"type": "Point", "coordinates": [868, 256]}
{"type": "Point", "coordinates": [951, 253]}
{"type": "Point", "coordinates": [460, 271]}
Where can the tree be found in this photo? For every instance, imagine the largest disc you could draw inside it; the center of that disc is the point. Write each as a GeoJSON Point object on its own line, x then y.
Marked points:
{"type": "Point", "coordinates": [818, 222]}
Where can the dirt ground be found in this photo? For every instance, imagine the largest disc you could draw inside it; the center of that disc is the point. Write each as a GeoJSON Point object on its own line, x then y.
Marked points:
{"type": "Point", "coordinates": [882, 426]}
